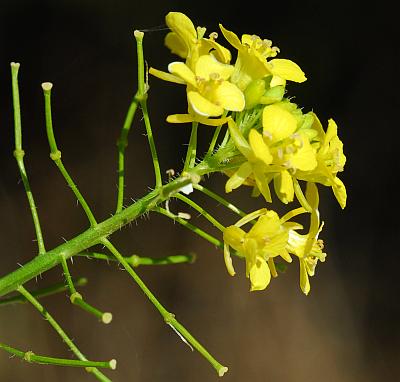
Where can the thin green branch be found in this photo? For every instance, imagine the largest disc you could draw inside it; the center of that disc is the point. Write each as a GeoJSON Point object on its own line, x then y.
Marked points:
{"type": "Point", "coordinates": [215, 136]}
{"type": "Point", "coordinates": [219, 199]}
{"type": "Point", "coordinates": [46, 315]}
{"type": "Point", "coordinates": [196, 230]}
{"type": "Point", "coordinates": [136, 261]}
{"type": "Point", "coordinates": [192, 148]}
{"type": "Point", "coordinates": [43, 292]}
{"type": "Point", "coordinates": [122, 144]}
{"type": "Point", "coordinates": [19, 156]}
{"type": "Point", "coordinates": [31, 357]}
{"type": "Point", "coordinates": [142, 96]}
{"type": "Point", "coordinates": [201, 210]}
{"type": "Point", "coordinates": [55, 154]}
{"type": "Point", "coordinates": [168, 317]}
{"type": "Point", "coordinates": [77, 299]}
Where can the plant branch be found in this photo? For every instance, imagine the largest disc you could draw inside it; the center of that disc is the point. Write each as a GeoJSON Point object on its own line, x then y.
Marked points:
{"type": "Point", "coordinates": [122, 144]}
{"type": "Point", "coordinates": [19, 156]}
{"type": "Point", "coordinates": [31, 357]}
{"type": "Point", "coordinates": [136, 261]}
{"type": "Point", "coordinates": [168, 317]}
{"type": "Point", "coordinates": [77, 299]}
{"type": "Point", "coordinates": [46, 315]}
{"type": "Point", "coordinates": [142, 96]}
{"type": "Point", "coordinates": [55, 154]}
{"type": "Point", "coordinates": [43, 292]}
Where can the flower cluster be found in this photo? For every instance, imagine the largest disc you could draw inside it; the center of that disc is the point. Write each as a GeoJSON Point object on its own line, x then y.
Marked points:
{"type": "Point", "coordinates": [271, 141]}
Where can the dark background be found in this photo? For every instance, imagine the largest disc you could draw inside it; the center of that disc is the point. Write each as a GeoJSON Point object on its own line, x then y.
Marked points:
{"type": "Point", "coordinates": [345, 330]}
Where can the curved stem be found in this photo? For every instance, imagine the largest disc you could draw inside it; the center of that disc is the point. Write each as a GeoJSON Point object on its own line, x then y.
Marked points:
{"type": "Point", "coordinates": [168, 317]}
{"type": "Point", "coordinates": [201, 210]}
{"type": "Point", "coordinates": [19, 156]}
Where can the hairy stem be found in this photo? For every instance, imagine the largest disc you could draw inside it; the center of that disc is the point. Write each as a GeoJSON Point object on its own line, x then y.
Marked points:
{"type": "Point", "coordinates": [90, 237]}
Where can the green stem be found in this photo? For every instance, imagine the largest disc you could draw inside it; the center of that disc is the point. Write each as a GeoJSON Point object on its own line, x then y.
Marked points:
{"type": "Point", "coordinates": [196, 230]}
{"type": "Point", "coordinates": [136, 261]}
{"type": "Point", "coordinates": [43, 292]}
{"type": "Point", "coordinates": [142, 96]}
{"type": "Point", "coordinates": [168, 317]}
{"type": "Point", "coordinates": [55, 154]}
{"type": "Point", "coordinates": [192, 148]}
{"type": "Point", "coordinates": [19, 156]}
{"type": "Point", "coordinates": [77, 299]}
{"type": "Point", "coordinates": [215, 136]}
{"type": "Point", "coordinates": [201, 210]}
{"type": "Point", "coordinates": [122, 144]}
{"type": "Point", "coordinates": [91, 236]}
{"type": "Point", "coordinates": [31, 357]}
{"type": "Point", "coordinates": [219, 199]}
{"type": "Point", "coordinates": [46, 315]}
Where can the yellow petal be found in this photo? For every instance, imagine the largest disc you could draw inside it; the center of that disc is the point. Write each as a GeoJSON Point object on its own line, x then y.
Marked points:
{"type": "Point", "coordinates": [287, 70]}
{"type": "Point", "coordinates": [240, 142]}
{"type": "Point", "coordinates": [166, 76]}
{"type": "Point", "coordinates": [233, 236]}
{"type": "Point", "coordinates": [182, 26]}
{"type": "Point", "coordinates": [239, 177]}
{"type": "Point", "coordinates": [229, 96]}
{"type": "Point", "coordinates": [305, 158]}
{"type": "Point", "coordinates": [221, 53]}
{"type": "Point", "coordinates": [203, 106]}
{"type": "Point", "coordinates": [228, 260]}
{"type": "Point", "coordinates": [176, 45]}
{"type": "Point", "coordinates": [182, 70]}
{"type": "Point", "coordinates": [207, 65]}
{"type": "Point", "coordinates": [260, 275]}
{"type": "Point", "coordinates": [278, 122]}
{"type": "Point", "coordinates": [260, 149]}
{"type": "Point", "coordinates": [339, 190]}
{"type": "Point", "coordinates": [304, 281]}
{"type": "Point", "coordinates": [231, 37]}
{"type": "Point", "coordinates": [284, 187]}
{"type": "Point", "coordinates": [262, 181]}
{"type": "Point", "coordinates": [180, 118]}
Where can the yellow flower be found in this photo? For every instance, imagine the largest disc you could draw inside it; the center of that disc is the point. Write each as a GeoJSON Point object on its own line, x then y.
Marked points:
{"type": "Point", "coordinates": [266, 239]}
{"type": "Point", "coordinates": [330, 160]}
{"type": "Point", "coordinates": [188, 42]}
{"type": "Point", "coordinates": [257, 156]}
{"type": "Point", "coordinates": [209, 92]}
{"type": "Point", "coordinates": [252, 64]}
{"type": "Point", "coordinates": [308, 248]}
{"type": "Point", "coordinates": [276, 154]}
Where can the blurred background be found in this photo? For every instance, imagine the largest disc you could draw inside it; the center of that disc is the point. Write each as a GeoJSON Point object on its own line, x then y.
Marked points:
{"type": "Point", "coordinates": [345, 330]}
